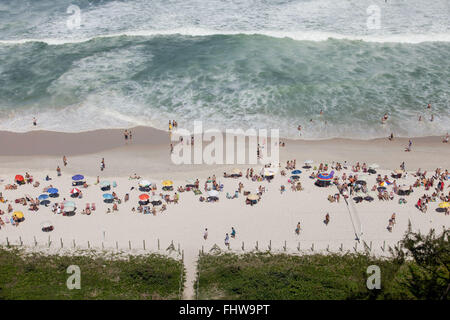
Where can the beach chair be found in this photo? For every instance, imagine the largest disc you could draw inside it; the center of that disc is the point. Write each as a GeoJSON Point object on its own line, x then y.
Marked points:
{"type": "Point", "coordinates": [93, 206]}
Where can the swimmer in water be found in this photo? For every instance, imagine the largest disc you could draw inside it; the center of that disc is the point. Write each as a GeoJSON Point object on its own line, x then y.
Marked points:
{"type": "Point", "coordinates": [429, 106]}
{"type": "Point", "coordinates": [384, 119]}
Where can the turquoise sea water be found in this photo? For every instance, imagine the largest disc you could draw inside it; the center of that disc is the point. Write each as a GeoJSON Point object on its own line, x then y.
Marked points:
{"type": "Point", "coordinates": [232, 64]}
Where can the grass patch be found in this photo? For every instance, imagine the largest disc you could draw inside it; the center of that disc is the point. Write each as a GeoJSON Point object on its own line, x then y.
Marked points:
{"type": "Point", "coordinates": [264, 276]}
{"type": "Point", "coordinates": [39, 276]}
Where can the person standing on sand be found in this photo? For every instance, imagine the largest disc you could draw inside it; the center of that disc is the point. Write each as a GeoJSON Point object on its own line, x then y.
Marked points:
{"type": "Point", "coordinates": [34, 121]}
{"type": "Point", "coordinates": [65, 161]}
{"type": "Point", "coordinates": [58, 171]}
{"type": "Point", "coordinates": [227, 240]}
{"type": "Point", "coordinates": [327, 219]}
{"type": "Point", "coordinates": [297, 230]}
{"type": "Point", "coordinates": [131, 136]}
{"type": "Point", "coordinates": [446, 138]}
{"type": "Point", "coordinates": [233, 233]}
{"type": "Point", "coordinates": [205, 234]}
{"type": "Point", "coordinates": [171, 148]}
{"type": "Point", "coordinates": [102, 164]}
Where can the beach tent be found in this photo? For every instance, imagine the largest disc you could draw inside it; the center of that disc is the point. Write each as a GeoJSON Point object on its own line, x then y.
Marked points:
{"type": "Point", "coordinates": [144, 197]}
{"type": "Point", "coordinates": [77, 177]}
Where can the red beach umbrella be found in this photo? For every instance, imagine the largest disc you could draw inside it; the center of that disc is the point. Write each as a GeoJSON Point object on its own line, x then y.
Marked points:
{"type": "Point", "coordinates": [144, 197]}
{"type": "Point", "coordinates": [19, 177]}
{"type": "Point", "coordinates": [75, 190]}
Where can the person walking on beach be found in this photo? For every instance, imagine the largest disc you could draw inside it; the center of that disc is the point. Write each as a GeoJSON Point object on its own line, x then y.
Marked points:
{"type": "Point", "coordinates": [58, 171]}
{"type": "Point", "coordinates": [233, 232]}
{"type": "Point", "coordinates": [102, 164]}
{"type": "Point", "coordinates": [65, 161]}
{"type": "Point", "coordinates": [227, 240]}
{"type": "Point", "coordinates": [205, 234]}
{"type": "Point", "coordinates": [34, 121]}
{"type": "Point", "coordinates": [171, 148]}
{"type": "Point", "coordinates": [327, 219]}
{"type": "Point", "coordinates": [125, 134]}
{"type": "Point", "coordinates": [297, 230]}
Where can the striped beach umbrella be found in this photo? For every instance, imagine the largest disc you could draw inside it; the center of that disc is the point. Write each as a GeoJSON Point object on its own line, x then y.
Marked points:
{"type": "Point", "coordinates": [75, 190]}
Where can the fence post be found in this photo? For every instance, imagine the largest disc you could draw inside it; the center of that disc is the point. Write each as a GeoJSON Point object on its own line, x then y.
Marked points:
{"type": "Point", "coordinates": [62, 245]}
{"type": "Point", "coordinates": [117, 245]}
{"type": "Point", "coordinates": [74, 243]}
{"type": "Point", "coordinates": [298, 246]}
{"type": "Point", "coordinates": [342, 247]}
{"type": "Point", "coordinates": [179, 250]}
{"type": "Point", "coordinates": [20, 239]}
{"type": "Point", "coordinates": [143, 243]}
{"type": "Point", "coordinates": [49, 242]}
{"type": "Point", "coordinates": [370, 246]}
{"type": "Point", "coordinates": [103, 246]}
{"type": "Point", "coordinates": [328, 247]}
{"type": "Point", "coordinates": [89, 245]}
{"type": "Point", "coordinates": [129, 244]}
{"type": "Point", "coordinates": [312, 247]}
{"type": "Point", "coordinates": [356, 246]}
{"type": "Point", "coordinates": [35, 242]}
{"type": "Point", "coordinates": [203, 250]}
{"type": "Point", "coordinates": [384, 245]}
{"type": "Point", "coordinates": [270, 245]}
{"type": "Point", "coordinates": [285, 247]}
{"type": "Point", "coordinates": [256, 247]}
{"type": "Point", "coordinates": [7, 242]}
{"type": "Point", "coordinates": [158, 243]}
{"type": "Point", "coordinates": [243, 246]}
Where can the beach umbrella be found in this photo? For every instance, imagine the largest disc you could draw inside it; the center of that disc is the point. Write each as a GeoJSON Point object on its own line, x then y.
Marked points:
{"type": "Point", "coordinates": [361, 182]}
{"type": "Point", "coordinates": [19, 178]}
{"type": "Point", "coordinates": [167, 183]}
{"type": "Point", "coordinates": [444, 205]}
{"type": "Point", "coordinates": [295, 177]}
{"type": "Point", "coordinates": [69, 204]}
{"type": "Point", "coordinates": [296, 172]}
{"type": "Point", "coordinates": [77, 177]}
{"type": "Point", "coordinates": [213, 193]}
{"type": "Point", "coordinates": [236, 171]}
{"type": "Point", "coordinates": [144, 183]}
{"type": "Point", "coordinates": [399, 171]}
{"type": "Point", "coordinates": [190, 181]}
{"type": "Point", "coordinates": [52, 190]}
{"type": "Point", "coordinates": [75, 190]}
{"type": "Point", "coordinates": [374, 166]}
{"type": "Point", "coordinates": [325, 176]}
{"type": "Point", "coordinates": [156, 198]}
{"type": "Point", "coordinates": [144, 197]}
{"type": "Point", "coordinates": [269, 172]}
{"type": "Point", "coordinates": [108, 196]}
{"type": "Point", "coordinates": [18, 214]}
{"type": "Point", "coordinates": [105, 184]}
{"type": "Point", "coordinates": [253, 197]}
{"type": "Point", "coordinates": [45, 202]}
{"type": "Point", "coordinates": [43, 197]}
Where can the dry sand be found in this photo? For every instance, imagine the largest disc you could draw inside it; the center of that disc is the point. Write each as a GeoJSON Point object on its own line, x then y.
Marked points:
{"type": "Point", "coordinates": [272, 220]}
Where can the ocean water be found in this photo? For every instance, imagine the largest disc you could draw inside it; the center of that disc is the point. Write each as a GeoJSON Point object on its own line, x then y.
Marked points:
{"type": "Point", "coordinates": [230, 63]}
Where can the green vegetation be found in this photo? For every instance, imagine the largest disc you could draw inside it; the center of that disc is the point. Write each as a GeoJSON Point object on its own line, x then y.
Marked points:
{"type": "Point", "coordinates": [418, 269]}
{"type": "Point", "coordinates": [39, 276]}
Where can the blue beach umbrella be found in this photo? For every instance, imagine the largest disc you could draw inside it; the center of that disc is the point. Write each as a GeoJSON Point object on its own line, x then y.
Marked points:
{"type": "Point", "coordinates": [78, 177]}
{"type": "Point", "coordinates": [108, 196]}
{"type": "Point", "coordinates": [45, 202]}
{"type": "Point", "coordinates": [52, 190]}
{"type": "Point", "coordinates": [296, 172]}
{"type": "Point", "coordinates": [43, 197]}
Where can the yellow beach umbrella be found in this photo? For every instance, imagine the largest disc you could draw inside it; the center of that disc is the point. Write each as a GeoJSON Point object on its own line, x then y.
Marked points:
{"type": "Point", "coordinates": [236, 171]}
{"type": "Point", "coordinates": [399, 171]}
{"type": "Point", "coordinates": [444, 205]}
{"type": "Point", "coordinates": [167, 183]}
{"type": "Point", "coordinates": [18, 214]}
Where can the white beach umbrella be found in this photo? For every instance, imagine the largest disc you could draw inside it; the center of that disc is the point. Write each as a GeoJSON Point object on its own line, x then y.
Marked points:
{"type": "Point", "coordinates": [374, 166]}
{"type": "Point", "coordinates": [309, 162]}
{"type": "Point", "coordinates": [213, 193]}
{"type": "Point", "coordinates": [144, 183]}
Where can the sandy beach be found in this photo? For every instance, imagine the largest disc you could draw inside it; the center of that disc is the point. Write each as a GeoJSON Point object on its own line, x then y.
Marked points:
{"type": "Point", "coordinates": [271, 221]}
